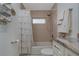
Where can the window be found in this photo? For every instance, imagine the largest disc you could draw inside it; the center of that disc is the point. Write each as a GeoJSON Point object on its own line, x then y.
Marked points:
{"type": "Point", "coordinates": [39, 21]}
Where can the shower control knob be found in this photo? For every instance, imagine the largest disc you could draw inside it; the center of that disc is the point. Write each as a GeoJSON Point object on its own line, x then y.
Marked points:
{"type": "Point", "coordinates": [14, 42]}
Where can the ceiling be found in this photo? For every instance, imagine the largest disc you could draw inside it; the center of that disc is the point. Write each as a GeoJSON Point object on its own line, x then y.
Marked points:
{"type": "Point", "coordinates": [39, 6]}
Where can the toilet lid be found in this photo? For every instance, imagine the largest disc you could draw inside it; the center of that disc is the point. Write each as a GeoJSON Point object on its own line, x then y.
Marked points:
{"type": "Point", "coordinates": [47, 51]}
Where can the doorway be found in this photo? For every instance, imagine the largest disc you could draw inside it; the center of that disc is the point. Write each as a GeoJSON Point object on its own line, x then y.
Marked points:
{"type": "Point", "coordinates": [41, 27]}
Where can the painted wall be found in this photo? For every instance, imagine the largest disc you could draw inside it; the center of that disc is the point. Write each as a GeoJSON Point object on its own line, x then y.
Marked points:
{"type": "Point", "coordinates": [54, 21]}
{"type": "Point", "coordinates": [75, 16]}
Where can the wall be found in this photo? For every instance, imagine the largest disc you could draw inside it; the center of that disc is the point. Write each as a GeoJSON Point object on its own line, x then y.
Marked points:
{"type": "Point", "coordinates": [54, 21]}
{"type": "Point", "coordinates": [7, 35]}
{"type": "Point", "coordinates": [3, 39]}
{"type": "Point", "coordinates": [24, 22]}
{"type": "Point", "coordinates": [12, 32]}
{"type": "Point", "coordinates": [41, 32]}
{"type": "Point", "coordinates": [75, 16]}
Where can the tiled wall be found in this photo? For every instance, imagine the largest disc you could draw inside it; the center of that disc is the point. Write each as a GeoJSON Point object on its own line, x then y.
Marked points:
{"type": "Point", "coordinates": [24, 21]}
{"type": "Point", "coordinates": [12, 32]}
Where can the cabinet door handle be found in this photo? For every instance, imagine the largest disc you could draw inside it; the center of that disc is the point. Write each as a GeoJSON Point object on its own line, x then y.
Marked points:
{"type": "Point", "coordinates": [56, 47]}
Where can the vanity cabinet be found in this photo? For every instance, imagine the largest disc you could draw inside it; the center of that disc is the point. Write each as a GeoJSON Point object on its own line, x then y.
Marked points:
{"type": "Point", "coordinates": [60, 50]}
{"type": "Point", "coordinates": [69, 53]}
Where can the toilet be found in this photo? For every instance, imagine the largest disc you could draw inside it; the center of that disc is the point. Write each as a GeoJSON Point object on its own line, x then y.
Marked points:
{"type": "Point", "coordinates": [47, 51]}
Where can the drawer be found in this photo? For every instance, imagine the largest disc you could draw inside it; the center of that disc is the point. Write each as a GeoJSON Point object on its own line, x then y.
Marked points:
{"type": "Point", "coordinates": [57, 44]}
{"type": "Point", "coordinates": [58, 49]}
{"type": "Point", "coordinates": [57, 52]}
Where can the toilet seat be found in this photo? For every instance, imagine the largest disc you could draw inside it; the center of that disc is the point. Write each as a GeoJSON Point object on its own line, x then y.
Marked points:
{"type": "Point", "coordinates": [47, 51]}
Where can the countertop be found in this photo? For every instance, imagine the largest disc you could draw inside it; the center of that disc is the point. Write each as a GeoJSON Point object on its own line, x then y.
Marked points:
{"type": "Point", "coordinates": [70, 43]}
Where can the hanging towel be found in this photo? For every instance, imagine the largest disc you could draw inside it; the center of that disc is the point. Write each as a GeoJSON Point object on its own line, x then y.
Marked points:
{"type": "Point", "coordinates": [68, 19]}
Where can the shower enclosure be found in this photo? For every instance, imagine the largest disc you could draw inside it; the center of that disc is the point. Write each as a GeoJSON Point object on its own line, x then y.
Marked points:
{"type": "Point", "coordinates": [25, 29]}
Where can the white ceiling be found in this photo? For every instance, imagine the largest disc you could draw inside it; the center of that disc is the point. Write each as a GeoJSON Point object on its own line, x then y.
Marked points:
{"type": "Point", "coordinates": [39, 6]}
